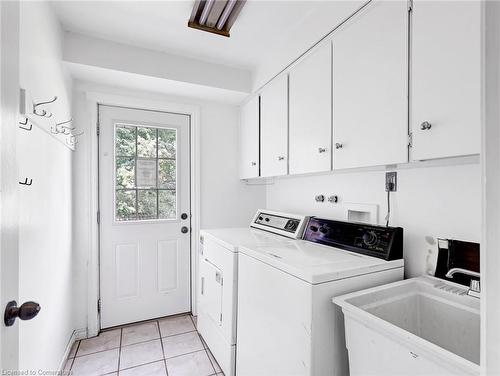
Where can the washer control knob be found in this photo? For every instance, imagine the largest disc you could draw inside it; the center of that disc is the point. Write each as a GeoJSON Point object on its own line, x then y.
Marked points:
{"type": "Point", "coordinates": [370, 238]}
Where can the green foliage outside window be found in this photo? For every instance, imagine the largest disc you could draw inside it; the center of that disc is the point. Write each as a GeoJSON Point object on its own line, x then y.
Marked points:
{"type": "Point", "coordinates": [155, 149]}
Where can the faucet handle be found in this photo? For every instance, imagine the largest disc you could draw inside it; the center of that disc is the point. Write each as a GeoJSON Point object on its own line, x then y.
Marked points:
{"type": "Point", "coordinates": [475, 288]}
{"type": "Point", "coordinates": [475, 285]}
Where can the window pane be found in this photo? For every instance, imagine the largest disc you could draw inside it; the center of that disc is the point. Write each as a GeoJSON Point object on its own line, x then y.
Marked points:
{"type": "Point", "coordinates": [125, 205]}
{"type": "Point", "coordinates": [167, 204]}
{"type": "Point", "coordinates": [125, 140]}
{"type": "Point", "coordinates": [166, 173]}
{"type": "Point", "coordinates": [146, 142]}
{"type": "Point", "coordinates": [147, 204]}
{"type": "Point", "coordinates": [125, 172]}
{"type": "Point", "coordinates": [146, 173]}
{"type": "Point", "coordinates": [167, 143]}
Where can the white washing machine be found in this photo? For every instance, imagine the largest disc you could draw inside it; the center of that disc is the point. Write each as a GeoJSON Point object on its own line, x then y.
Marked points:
{"type": "Point", "coordinates": [218, 276]}
{"type": "Point", "coordinates": [286, 323]}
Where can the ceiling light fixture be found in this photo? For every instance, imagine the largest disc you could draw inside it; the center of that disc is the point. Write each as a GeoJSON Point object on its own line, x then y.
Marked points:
{"type": "Point", "coordinates": [215, 16]}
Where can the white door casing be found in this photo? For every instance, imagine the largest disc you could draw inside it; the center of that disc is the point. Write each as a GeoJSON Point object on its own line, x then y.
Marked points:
{"type": "Point", "coordinates": [370, 87]}
{"type": "Point", "coordinates": [144, 256]}
{"type": "Point", "coordinates": [446, 78]}
{"type": "Point", "coordinates": [274, 128]}
{"type": "Point", "coordinates": [310, 103]}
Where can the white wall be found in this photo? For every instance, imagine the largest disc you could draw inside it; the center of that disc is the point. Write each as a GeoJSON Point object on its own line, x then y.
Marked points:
{"type": "Point", "coordinates": [225, 200]}
{"type": "Point", "coordinates": [430, 202]}
{"type": "Point", "coordinates": [45, 238]}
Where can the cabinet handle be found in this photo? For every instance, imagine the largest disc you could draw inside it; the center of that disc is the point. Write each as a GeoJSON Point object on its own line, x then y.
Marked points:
{"type": "Point", "coordinates": [280, 158]}
{"type": "Point", "coordinates": [338, 146]}
{"type": "Point", "coordinates": [321, 150]}
{"type": "Point", "coordinates": [202, 285]}
{"type": "Point", "coordinates": [254, 163]}
{"type": "Point", "coordinates": [425, 126]}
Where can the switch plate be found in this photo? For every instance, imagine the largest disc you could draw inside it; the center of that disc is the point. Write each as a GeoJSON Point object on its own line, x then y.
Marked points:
{"type": "Point", "coordinates": [391, 181]}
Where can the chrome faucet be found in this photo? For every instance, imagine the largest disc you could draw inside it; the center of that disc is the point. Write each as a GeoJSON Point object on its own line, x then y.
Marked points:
{"type": "Point", "coordinates": [475, 286]}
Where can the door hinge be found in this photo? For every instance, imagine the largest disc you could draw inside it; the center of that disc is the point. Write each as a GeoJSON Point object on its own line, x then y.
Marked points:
{"type": "Point", "coordinates": [221, 317]}
{"type": "Point", "coordinates": [410, 139]}
{"type": "Point", "coordinates": [98, 128]}
{"type": "Point", "coordinates": [410, 5]}
{"type": "Point", "coordinates": [98, 305]}
{"type": "Point", "coordinates": [98, 217]}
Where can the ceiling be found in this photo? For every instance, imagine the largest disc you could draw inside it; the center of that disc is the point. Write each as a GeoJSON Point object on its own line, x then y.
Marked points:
{"type": "Point", "coordinates": [264, 29]}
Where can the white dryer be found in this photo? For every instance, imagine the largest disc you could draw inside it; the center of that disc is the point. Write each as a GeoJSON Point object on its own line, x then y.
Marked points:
{"type": "Point", "coordinates": [218, 276]}
{"type": "Point", "coordinates": [287, 325]}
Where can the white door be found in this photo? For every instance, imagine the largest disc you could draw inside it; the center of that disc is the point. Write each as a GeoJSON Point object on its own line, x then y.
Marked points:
{"type": "Point", "coordinates": [144, 214]}
{"type": "Point", "coordinates": [274, 127]}
{"type": "Point", "coordinates": [9, 178]}
{"type": "Point", "coordinates": [311, 113]}
{"type": "Point", "coordinates": [370, 90]}
{"type": "Point", "coordinates": [249, 139]}
{"type": "Point", "coordinates": [446, 78]}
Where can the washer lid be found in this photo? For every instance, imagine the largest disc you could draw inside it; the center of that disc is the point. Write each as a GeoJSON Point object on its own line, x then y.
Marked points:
{"type": "Point", "coordinates": [316, 263]}
{"type": "Point", "coordinates": [233, 238]}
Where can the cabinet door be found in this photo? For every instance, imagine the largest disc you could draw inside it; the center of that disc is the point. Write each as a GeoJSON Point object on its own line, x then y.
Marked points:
{"type": "Point", "coordinates": [446, 79]}
{"type": "Point", "coordinates": [370, 86]}
{"type": "Point", "coordinates": [310, 132]}
{"type": "Point", "coordinates": [274, 127]}
{"type": "Point", "coordinates": [249, 139]}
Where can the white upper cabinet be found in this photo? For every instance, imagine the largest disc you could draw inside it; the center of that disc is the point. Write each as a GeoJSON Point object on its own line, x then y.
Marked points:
{"type": "Point", "coordinates": [445, 79]}
{"type": "Point", "coordinates": [370, 86]}
{"type": "Point", "coordinates": [249, 139]}
{"type": "Point", "coordinates": [310, 130]}
{"type": "Point", "coordinates": [274, 127]}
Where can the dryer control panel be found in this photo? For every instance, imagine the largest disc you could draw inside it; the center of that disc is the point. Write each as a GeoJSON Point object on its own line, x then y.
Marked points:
{"type": "Point", "coordinates": [290, 225]}
{"type": "Point", "coordinates": [377, 241]}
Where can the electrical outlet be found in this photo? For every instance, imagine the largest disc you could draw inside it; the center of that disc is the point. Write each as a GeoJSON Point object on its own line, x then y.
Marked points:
{"type": "Point", "coordinates": [391, 181]}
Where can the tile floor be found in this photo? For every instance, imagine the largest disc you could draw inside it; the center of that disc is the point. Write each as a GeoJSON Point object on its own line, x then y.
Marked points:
{"type": "Point", "coordinates": [169, 346]}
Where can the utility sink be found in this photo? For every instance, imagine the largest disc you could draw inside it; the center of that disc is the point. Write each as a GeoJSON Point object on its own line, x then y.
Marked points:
{"type": "Point", "coordinates": [420, 326]}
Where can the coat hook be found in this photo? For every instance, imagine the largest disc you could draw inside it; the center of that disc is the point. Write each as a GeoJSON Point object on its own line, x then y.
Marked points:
{"type": "Point", "coordinates": [65, 122]}
{"type": "Point", "coordinates": [71, 141]}
{"type": "Point", "coordinates": [55, 129]}
{"type": "Point", "coordinates": [43, 112]}
{"type": "Point", "coordinates": [26, 182]}
{"type": "Point", "coordinates": [46, 102]}
{"type": "Point", "coordinates": [24, 125]}
{"type": "Point", "coordinates": [77, 134]}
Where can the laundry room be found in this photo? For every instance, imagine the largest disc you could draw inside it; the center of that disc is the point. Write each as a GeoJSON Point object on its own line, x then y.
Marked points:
{"type": "Point", "coordinates": [250, 187]}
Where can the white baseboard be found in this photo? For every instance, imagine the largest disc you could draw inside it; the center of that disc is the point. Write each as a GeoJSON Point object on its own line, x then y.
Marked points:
{"type": "Point", "coordinates": [77, 335]}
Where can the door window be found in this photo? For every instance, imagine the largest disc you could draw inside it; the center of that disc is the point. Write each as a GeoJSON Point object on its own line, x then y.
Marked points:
{"type": "Point", "coordinates": [145, 173]}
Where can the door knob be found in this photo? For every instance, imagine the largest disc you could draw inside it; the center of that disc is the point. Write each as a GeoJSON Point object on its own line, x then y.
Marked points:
{"type": "Point", "coordinates": [184, 215]}
{"type": "Point", "coordinates": [184, 229]}
{"type": "Point", "coordinates": [425, 126]}
{"type": "Point", "coordinates": [321, 150]}
{"type": "Point", "coordinates": [27, 311]}
{"type": "Point", "coordinates": [338, 145]}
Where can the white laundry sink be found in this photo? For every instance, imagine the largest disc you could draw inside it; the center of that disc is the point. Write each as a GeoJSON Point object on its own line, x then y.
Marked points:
{"type": "Point", "coordinates": [420, 326]}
